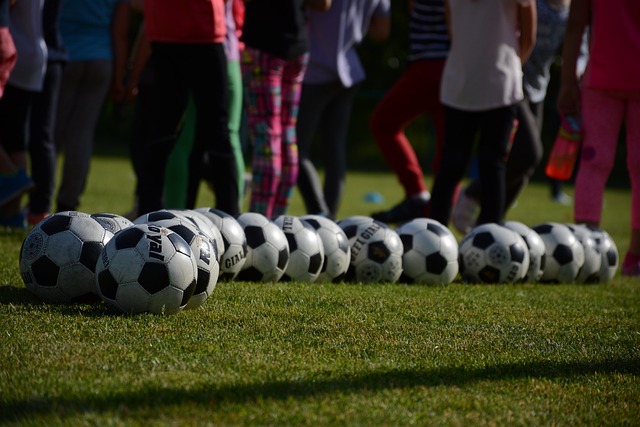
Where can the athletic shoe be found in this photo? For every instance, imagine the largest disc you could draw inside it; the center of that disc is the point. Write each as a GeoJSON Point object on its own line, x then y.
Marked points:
{"type": "Point", "coordinates": [631, 265]}
{"type": "Point", "coordinates": [12, 186]}
{"type": "Point", "coordinates": [465, 213]}
{"type": "Point", "coordinates": [406, 210]}
{"type": "Point", "coordinates": [17, 220]}
{"type": "Point", "coordinates": [562, 198]}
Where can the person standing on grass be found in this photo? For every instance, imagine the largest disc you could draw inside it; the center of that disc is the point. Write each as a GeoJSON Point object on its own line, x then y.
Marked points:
{"type": "Point", "coordinates": [188, 58]}
{"type": "Point", "coordinates": [416, 92]}
{"type": "Point", "coordinates": [42, 122]}
{"type": "Point", "coordinates": [526, 152]}
{"type": "Point", "coordinates": [481, 86]}
{"type": "Point", "coordinates": [95, 34]}
{"type": "Point", "coordinates": [608, 95]}
{"type": "Point", "coordinates": [273, 66]}
{"type": "Point", "coordinates": [25, 81]}
{"type": "Point", "coordinates": [332, 79]}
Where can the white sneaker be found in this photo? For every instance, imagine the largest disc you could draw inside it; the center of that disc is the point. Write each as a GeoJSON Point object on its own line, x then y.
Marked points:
{"type": "Point", "coordinates": [465, 213]}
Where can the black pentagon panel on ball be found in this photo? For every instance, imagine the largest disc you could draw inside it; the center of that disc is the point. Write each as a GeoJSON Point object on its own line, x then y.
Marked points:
{"type": "Point", "coordinates": [563, 254]}
{"type": "Point", "coordinates": [188, 293]}
{"type": "Point", "coordinates": [436, 263]}
{"type": "Point", "coordinates": [154, 277]}
{"type": "Point", "coordinates": [343, 243]}
{"type": "Point", "coordinates": [350, 231]}
{"type": "Point", "coordinates": [45, 271]}
{"type": "Point", "coordinates": [203, 280]}
{"type": "Point", "coordinates": [543, 228]}
{"type": "Point", "coordinates": [183, 231]}
{"type": "Point", "coordinates": [483, 240]}
{"type": "Point", "coordinates": [56, 224]}
{"type": "Point", "coordinates": [293, 243]}
{"type": "Point", "coordinates": [107, 284]}
{"type": "Point", "coordinates": [89, 254]}
{"type": "Point", "coordinates": [179, 244]}
{"type": "Point", "coordinates": [283, 258]}
{"type": "Point", "coordinates": [407, 242]}
{"type": "Point", "coordinates": [489, 274]}
{"type": "Point", "coordinates": [255, 236]}
{"type": "Point", "coordinates": [315, 263]}
{"type": "Point", "coordinates": [313, 223]}
{"type": "Point", "coordinates": [437, 229]}
{"type": "Point", "coordinates": [611, 257]}
{"type": "Point", "coordinates": [160, 215]}
{"type": "Point", "coordinates": [128, 238]}
{"type": "Point", "coordinates": [378, 252]}
{"type": "Point", "coordinates": [517, 253]}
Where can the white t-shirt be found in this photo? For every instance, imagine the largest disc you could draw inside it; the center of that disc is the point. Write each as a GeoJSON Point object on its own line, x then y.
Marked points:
{"type": "Point", "coordinates": [483, 69]}
{"type": "Point", "coordinates": [26, 30]}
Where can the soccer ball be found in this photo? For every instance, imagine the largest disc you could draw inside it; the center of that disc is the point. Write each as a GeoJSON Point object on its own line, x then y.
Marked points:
{"type": "Point", "coordinates": [350, 225]}
{"type": "Point", "coordinates": [158, 215]}
{"type": "Point", "coordinates": [537, 254]}
{"type": "Point", "coordinates": [608, 251]}
{"type": "Point", "coordinates": [592, 260]}
{"type": "Point", "coordinates": [267, 249]}
{"type": "Point", "coordinates": [430, 252]}
{"type": "Point", "coordinates": [112, 222]}
{"type": "Point", "coordinates": [376, 254]}
{"type": "Point", "coordinates": [58, 257]}
{"type": "Point", "coordinates": [491, 253]}
{"type": "Point", "coordinates": [147, 268]}
{"type": "Point", "coordinates": [565, 254]}
{"type": "Point", "coordinates": [204, 224]}
{"type": "Point", "coordinates": [337, 251]}
{"type": "Point", "coordinates": [205, 251]}
{"type": "Point", "coordinates": [235, 243]}
{"type": "Point", "coordinates": [306, 252]}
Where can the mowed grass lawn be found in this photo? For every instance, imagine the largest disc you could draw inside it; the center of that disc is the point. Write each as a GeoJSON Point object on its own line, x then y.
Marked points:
{"type": "Point", "coordinates": [328, 354]}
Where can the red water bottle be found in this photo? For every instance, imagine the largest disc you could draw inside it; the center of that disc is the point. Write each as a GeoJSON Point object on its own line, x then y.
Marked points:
{"type": "Point", "coordinates": [564, 153]}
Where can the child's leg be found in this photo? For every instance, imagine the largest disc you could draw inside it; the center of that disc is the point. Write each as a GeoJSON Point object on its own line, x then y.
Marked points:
{"type": "Point", "coordinates": [633, 162]}
{"type": "Point", "coordinates": [292, 76]}
{"type": "Point", "coordinates": [262, 75]}
{"type": "Point", "coordinates": [602, 116]}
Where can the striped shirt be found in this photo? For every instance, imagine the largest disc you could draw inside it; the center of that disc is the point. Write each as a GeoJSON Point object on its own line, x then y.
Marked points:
{"type": "Point", "coordinates": [428, 36]}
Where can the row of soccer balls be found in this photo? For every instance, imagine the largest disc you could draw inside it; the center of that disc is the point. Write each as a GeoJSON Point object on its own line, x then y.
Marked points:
{"type": "Point", "coordinates": [168, 260]}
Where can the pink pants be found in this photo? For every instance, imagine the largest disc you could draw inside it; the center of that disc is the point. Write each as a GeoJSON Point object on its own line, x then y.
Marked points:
{"type": "Point", "coordinates": [602, 115]}
{"type": "Point", "coordinates": [272, 87]}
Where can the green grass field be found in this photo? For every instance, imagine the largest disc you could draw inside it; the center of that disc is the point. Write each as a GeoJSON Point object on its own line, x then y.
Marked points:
{"type": "Point", "coordinates": [328, 354]}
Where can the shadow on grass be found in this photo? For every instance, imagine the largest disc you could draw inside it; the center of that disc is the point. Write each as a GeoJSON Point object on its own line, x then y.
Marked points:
{"type": "Point", "coordinates": [209, 395]}
{"type": "Point", "coordinates": [90, 305]}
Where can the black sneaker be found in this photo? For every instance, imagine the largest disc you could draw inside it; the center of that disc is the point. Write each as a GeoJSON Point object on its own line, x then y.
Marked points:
{"type": "Point", "coordinates": [406, 210]}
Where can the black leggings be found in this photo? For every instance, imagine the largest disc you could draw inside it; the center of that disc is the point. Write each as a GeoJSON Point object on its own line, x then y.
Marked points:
{"type": "Point", "coordinates": [525, 154]}
{"type": "Point", "coordinates": [180, 69]}
{"type": "Point", "coordinates": [493, 128]}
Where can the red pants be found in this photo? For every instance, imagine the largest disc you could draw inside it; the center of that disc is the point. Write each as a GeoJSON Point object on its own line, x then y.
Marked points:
{"type": "Point", "coordinates": [416, 92]}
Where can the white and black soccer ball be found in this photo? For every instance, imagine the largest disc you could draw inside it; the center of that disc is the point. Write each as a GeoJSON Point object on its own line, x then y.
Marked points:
{"type": "Point", "coordinates": [537, 250]}
{"type": "Point", "coordinates": [606, 247]}
{"type": "Point", "coordinates": [306, 251]}
{"type": "Point", "coordinates": [590, 271]}
{"type": "Point", "coordinates": [430, 252]}
{"type": "Point", "coordinates": [350, 224]}
{"type": "Point", "coordinates": [204, 224]}
{"type": "Point", "coordinates": [267, 249]}
{"type": "Point", "coordinates": [492, 253]}
{"type": "Point", "coordinates": [565, 254]}
{"type": "Point", "coordinates": [147, 268]}
{"type": "Point", "coordinates": [376, 253]}
{"type": "Point", "coordinates": [337, 252]}
{"type": "Point", "coordinates": [235, 242]}
{"type": "Point", "coordinates": [112, 222]}
{"type": "Point", "coordinates": [155, 216]}
{"type": "Point", "coordinates": [205, 251]}
{"type": "Point", "coordinates": [59, 255]}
